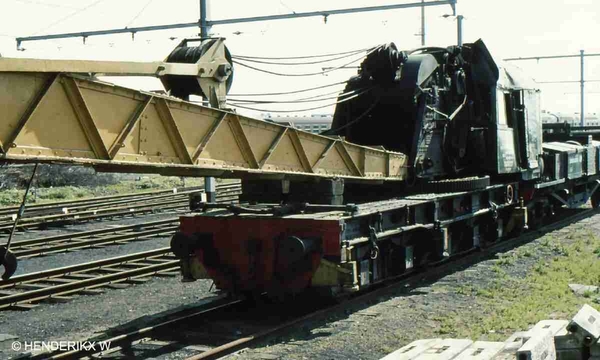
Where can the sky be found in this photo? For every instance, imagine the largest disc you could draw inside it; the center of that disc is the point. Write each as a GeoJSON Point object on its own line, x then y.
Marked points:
{"type": "Point", "coordinates": [510, 28]}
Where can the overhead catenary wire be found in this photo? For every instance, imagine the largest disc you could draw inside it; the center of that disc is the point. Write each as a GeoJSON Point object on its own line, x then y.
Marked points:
{"type": "Point", "coordinates": [317, 98]}
{"type": "Point", "coordinates": [302, 57]}
{"type": "Point", "coordinates": [139, 13]}
{"type": "Point", "coordinates": [287, 7]}
{"type": "Point", "coordinates": [360, 117]}
{"type": "Point", "coordinates": [313, 98]}
{"type": "Point", "coordinates": [306, 109]}
{"type": "Point", "coordinates": [70, 16]}
{"type": "Point", "coordinates": [306, 74]}
{"type": "Point", "coordinates": [327, 94]}
{"type": "Point", "coordinates": [33, 2]}
{"type": "Point", "coordinates": [283, 111]}
{"type": "Point", "coordinates": [296, 75]}
{"type": "Point", "coordinates": [293, 91]}
{"type": "Point", "coordinates": [300, 62]}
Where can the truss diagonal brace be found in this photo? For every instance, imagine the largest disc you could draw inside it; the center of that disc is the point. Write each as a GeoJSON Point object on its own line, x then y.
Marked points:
{"type": "Point", "coordinates": [85, 117]}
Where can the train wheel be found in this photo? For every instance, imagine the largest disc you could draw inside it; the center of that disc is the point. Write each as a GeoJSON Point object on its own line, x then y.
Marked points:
{"type": "Point", "coordinates": [535, 217]}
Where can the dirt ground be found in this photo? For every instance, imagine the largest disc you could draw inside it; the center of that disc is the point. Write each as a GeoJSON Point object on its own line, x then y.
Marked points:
{"type": "Point", "coordinates": [485, 301]}
{"type": "Point", "coordinates": [87, 315]}
{"type": "Point", "coordinates": [488, 301]}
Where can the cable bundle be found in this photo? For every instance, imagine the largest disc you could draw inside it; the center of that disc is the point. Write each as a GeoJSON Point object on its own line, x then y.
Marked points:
{"type": "Point", "coordinates": [239, 100]}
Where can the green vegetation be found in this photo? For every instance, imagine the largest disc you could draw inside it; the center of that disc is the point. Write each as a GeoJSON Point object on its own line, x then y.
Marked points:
{"type": "Point", "coordinates": [127, 184]}
{"type": "Point", "coordinates": [512, 303]}
{"type": "Point", "coordinates": [507, 259]}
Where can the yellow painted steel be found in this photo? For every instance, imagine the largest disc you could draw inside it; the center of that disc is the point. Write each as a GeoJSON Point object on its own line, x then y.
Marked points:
{"type": "Point", "coordinates": [331, 274]}
{"type": "Point", "coordinates": [56, 117]}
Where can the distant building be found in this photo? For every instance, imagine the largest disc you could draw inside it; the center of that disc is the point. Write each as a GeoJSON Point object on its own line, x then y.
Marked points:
{"type": "Point", "coordinates": [315, 123]}
{"type": "Point", "coordinates": [591, 119]}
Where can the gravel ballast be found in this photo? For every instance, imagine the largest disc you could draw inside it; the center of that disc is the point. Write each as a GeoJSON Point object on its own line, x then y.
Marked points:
{"type": "Point", "coordinates": [369, 331]}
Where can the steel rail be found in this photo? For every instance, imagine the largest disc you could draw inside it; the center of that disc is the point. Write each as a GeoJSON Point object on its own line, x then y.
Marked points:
{"type": "Point", "coordinates": [409, 279]}
{"type": "Point", "coordinates": [92, 206]}
{"type": "Point", "coordinates": [97, 214]}
{"type": "Point", "coordinates": [72, 285]}
{"type": "Point", "coordinates": [88, 233]}
{"type": "Point", "coordinates": [437, 270]}
{"type": "Point", "coordinates": [93, 203]}
{"type": "Point", "coordinates": [101, 237]}
{"type": "Point", "coordinates": [61, 203]}
{"type": "Point", "coordinates": [22, 252]}
{"type": "Point", "coordinates": [130, 337]}
{"type": "Point", "coordinates": [146, 207]}
{"type": "Point", "coordinates": [68, 286]}
{"type": "Point", "coordinates": [119, 197]}
{"type": "Point", "coordinates": [81, 267]}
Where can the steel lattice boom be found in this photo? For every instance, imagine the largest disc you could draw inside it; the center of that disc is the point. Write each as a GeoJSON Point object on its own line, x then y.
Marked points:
{"type": "Point", "coordinates": [57, 117]}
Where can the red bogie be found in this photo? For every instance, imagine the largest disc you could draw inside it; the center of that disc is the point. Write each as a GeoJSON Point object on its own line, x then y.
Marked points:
{"type": "Point", "coordinates": [244, 254]}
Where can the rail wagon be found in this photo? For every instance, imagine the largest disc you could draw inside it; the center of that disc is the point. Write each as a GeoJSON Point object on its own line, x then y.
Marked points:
{"type": "Point", "coordinates": [442, 151]}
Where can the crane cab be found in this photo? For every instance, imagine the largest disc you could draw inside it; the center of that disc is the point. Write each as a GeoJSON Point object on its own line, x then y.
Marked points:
{"type": "Point", "coordinates": [518, 125]}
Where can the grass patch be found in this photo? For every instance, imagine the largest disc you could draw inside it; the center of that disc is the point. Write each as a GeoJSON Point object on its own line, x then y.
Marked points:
{"type": "Point", "coordinates": [511, 304]}
{"type": "Point", "coordinates": [467, 290]}
{"type": "Point", "coordinates": [506, 259]}
{"type": "Point", "coordinates": [10, 197]}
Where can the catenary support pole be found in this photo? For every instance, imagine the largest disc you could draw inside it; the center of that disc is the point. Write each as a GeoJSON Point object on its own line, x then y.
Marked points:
{"type": "Point", "coordinates": [581, 81]}
{"type": "Point", "coordinates": [459, 29]}
{"type": "Point", "coordinates": [204, 26]}
{"type": "Point", "coordinates": [581, 52]}
{"type": "Point", "coordinates": [209, 182]}
{"type": "Point", "coordinates": [209, 23]}
{"type": "Point", "coordinates": [423, 23]}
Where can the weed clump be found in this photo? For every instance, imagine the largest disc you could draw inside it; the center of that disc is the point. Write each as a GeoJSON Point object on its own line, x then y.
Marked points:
{"type": "Point", "coordinates": [512, 303]}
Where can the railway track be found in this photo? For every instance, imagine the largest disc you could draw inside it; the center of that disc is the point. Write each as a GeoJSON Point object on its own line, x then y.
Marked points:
{"type": "Point", "coordinates": [21, 291]}
{"type": "Point", "coordinates": [9, 212]}
{"type": "Point", "coordinates": [114, 235]}
{"type": "Point", "coordinates": [222, 327]}
{"type": "Point", "coordinates": [94, 238]}
{"type": "Point", "coordinates": [62, 213]}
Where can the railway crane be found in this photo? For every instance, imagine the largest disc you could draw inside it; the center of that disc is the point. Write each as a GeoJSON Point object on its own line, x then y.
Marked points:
{"type": "Point", "coordinates": [442, 154]}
